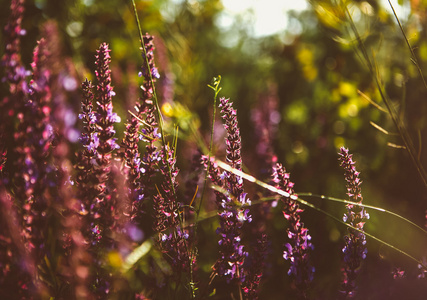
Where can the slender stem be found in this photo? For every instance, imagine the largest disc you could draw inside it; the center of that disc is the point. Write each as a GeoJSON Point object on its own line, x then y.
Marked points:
{"type": "Point", "coordinates": [413, 58]}
{"type": "Point", "coordinates": [156, 102]}
{"type": "Point", "coordinates": [217, 89]}
{"type": "Point", "coordinates": [363, 205]}
{"type": "Point", "coordinates": [308, 204]}
{"type": "Point", "coordinates": [395, 118]}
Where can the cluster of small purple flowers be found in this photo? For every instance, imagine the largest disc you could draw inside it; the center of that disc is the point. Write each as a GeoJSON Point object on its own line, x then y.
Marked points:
{"type": "Point", "coordinates": [29, 178]}
{"type": "Point", "coordinates": [94, 165]}
{"type": "Point", "coordinates": [140, 171]}
{"type": "Point", "coordinates": [231, 215]}
{"type": "Point", "coordinates": [256, 269]}
{"type": "Point", "coordinates": [355, 242]}
{"type": "Point", "coordinates": [85, 175]}
{"type": "Point", "coordinates": [35, 136]}
{"type": "Point", "coordinates": [11, 61]}
{"type": "Point", "coordinates": [298, 249]}
{"type": "Point", "coordinates": [146, 109]}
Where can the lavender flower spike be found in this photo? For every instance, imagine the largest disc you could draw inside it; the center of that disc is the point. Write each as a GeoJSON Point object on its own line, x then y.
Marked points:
{"type": "Point", "coordinates": [11, 61]}
{"type": "Point", "coordinates": [142, 167]}
{"type": "Point", "coordinates": [299, 248]}
{"type": "Point", "coordinates": [104, 143]}
{"type": "Point", "coordinates": [355, 242]}
{"type": "Point", "coordinates": [234, 144]}
{"type": "Point", "coordinates": [105, 118]}
{"type": "Point", "coordinates": [255, 271]}
{"type": "Point", "coordinates": [232, 218]}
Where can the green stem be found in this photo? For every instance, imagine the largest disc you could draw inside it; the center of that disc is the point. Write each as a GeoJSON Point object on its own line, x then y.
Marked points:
{"type": "Point", "coordinates": [156, 102]}
{"type": "Point", "coordinates": [395, 118]}
{"type": "Point", "coordinates": [217, 89]}
{"type": "Point", "coordinates": [413, 58]}
{"type": "Point", "coordinates": [363, 205]}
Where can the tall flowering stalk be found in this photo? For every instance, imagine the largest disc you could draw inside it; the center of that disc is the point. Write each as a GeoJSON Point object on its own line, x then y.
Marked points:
{"type": "Point", "coordinates": [174, 240]}
{"type": "Point", "coordinates": [299, 247]}
{"type": "Point", "coordinates": [266, 117]}
{"type": "Point", "coordinates": [105, 142]}
{"type": "Point", "coordinates": [255, 269]}
{"type": "Point", "coordinates": [98, 190]}
{"type": "Point", "coordinates": [14, 75]}
{"type": "Point", "coordinates": [147, 109]}
{"type": "Point", "coordinates": [34, 138]}
{"type": "Point", "coordinates": [86, 179]}
{"type": "Point", "coordinates": [233, 182]}
{"type": "Point", "coordinates": [355, 249]}
{"type": "Point", "coordinates": [17, 267]}
{"type": "Point", "coordinates": [29, 104]}
{"type": "Point", "coordinates": [133, 164]}
{"type": "Point", "coordinates": [139, 171]}
{"type": "Point", "coordinates": [231, 216]}
{"type": "Point", "coordinates": [165, 202]}
{"type": "Point", "coordinates": [81, 220]}
{"type": "Point", "coordinates": [15, 72]}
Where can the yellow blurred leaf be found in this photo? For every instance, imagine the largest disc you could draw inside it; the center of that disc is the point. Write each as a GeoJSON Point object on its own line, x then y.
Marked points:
{"type": "Point", "coordinates": [115, 259]}
{"type": "Point", "coordinates": [328, 15]}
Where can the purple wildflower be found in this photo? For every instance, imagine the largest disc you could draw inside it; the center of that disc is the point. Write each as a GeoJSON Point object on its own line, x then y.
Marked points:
{"type": "Point", "coordinates": [355, 242]}
{"type": "Point", "coordinates": [105, 118]}
{"type": "Point", "coordinates": [173, 241]}
{"type": "Point", "coordinates": [166, 204]}
{"type": "Point", "coordinates": [234, 183]}
{"type": "Point", "coordinates": [11, 61]}
{"type": "Point", "coordinates": [83, 217]}
{"type": "Point", "coordinates": [176, 242]}
{"type": "Point", "coordinates": [98, 189]}
{"type": "Point", "coordinates": [255, 269]}
{"type": "Point", "coordinates": [86, 179]}
{"type": "Point", "coordinates": [266, 117]}
{"type": "Point", "coordinates": [14, 76]}
{"type": "Point", "coordinates": [17, 267]}
{"type": "Point", "coordinates": [232, 253]}
{"type": "Point", "coordinates": [145, 110]}
{"type": "Point", "coordinates": [3, 157]}
{"type": "Point", "coordinates": [149, 50]}
{"type": "Point", "coordinates": [176, 245]}
{"type": "Point", "coordinates": [104, 129]}
{"type": "Point", "coordinates": [298, 249]}
{"type": "Point", "coordinates": [133, 164]}
{"type": "Point", "coordinates": [34, 137]}
{"type": "Point", "coordinates": [398, 273]}
{"type": "Point", "coordinates": [422, 270]}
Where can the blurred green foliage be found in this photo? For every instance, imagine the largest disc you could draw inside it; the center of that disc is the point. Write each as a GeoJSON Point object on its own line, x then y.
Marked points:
{"type": "Point", "coordinates": [317, 71]}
